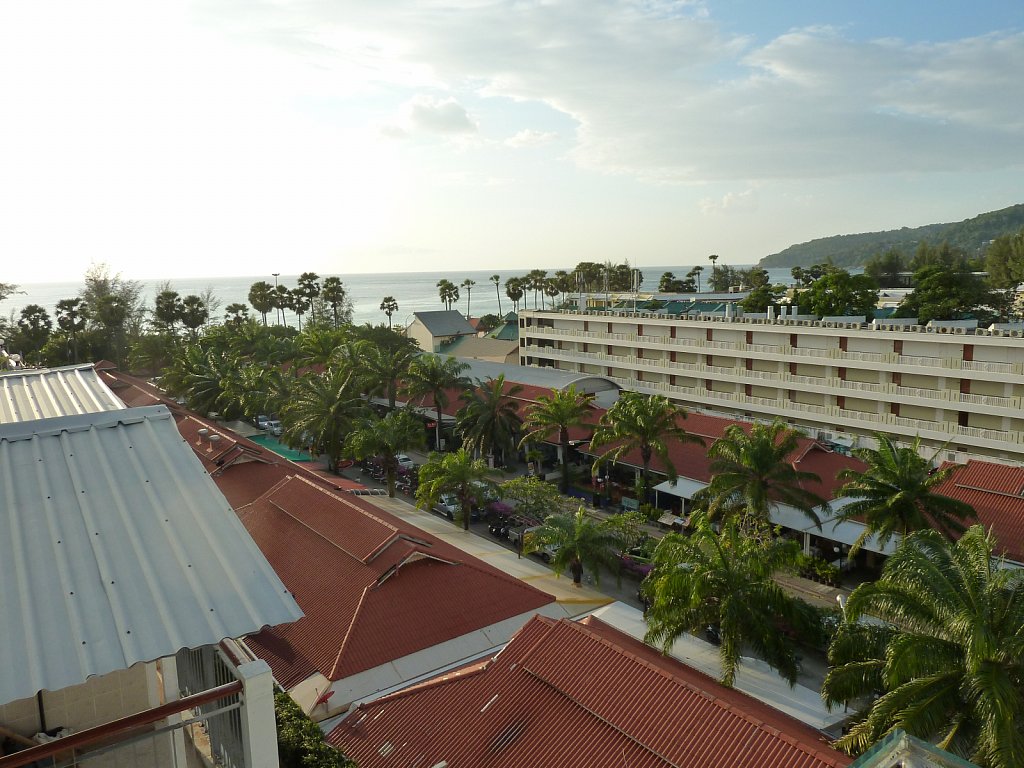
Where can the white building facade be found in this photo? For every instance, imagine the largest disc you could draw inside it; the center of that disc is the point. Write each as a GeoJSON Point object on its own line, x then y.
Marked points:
{"type": "Point", "coordinates": [957, 387]}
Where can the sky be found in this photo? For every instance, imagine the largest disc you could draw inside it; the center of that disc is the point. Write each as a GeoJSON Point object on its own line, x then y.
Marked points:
{"type": "Point", "coordinates": [241, 137]}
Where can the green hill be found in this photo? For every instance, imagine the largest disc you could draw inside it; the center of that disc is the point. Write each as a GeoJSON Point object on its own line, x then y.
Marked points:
{"type": "Point", "coordinates": [972, 235]}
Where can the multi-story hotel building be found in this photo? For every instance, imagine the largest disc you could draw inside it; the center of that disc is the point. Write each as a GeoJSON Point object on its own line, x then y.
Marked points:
{"type": "Point", "coordinates": [839, 380]}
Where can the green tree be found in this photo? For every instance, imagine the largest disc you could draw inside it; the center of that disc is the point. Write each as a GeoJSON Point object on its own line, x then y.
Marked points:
{"type": "Point", "coordinates": [895, 494]}
{"type": "Point", "coordinates": [300, 742]}
{"type": "Point", "coordinates": [456, 473]}
{"type": "Point", "coordinates": [750, 472]}
{"type": "Point", "coordinates": [645, 423]}
{"type": "Point", "coordinates": [167, 310]}
{"type": "Point", "coordinates": [514, 289]}
{"type": "Point", "coordinates": [236, 313]}
{"type": "Point", "coordinates": [384, 437]}
{"type": "Point", "coordinates": [381, 367]}
{"type": "Point", "coordinates": [886, 268]}
{"type": "Point", "coordinates": [321, 412]}
{"type": "Point", "coordinates": [557, 413]}
{"type": "Point", "coordinates": [389, 306]}
{"type": "Point", "coordinates": [489, 419]}
{"type": "Point", "coordinates": [951, 668]}
{"type": "Point", "coordinates": [535, 499]}
{"type": "Point", "coordinates": [282, 301]}
{"type": "Point", "coordinates": [467, 285]}
{"type": "Point", "coordinates": [760, 298]}
{"type": "Point", "coordinates": [262, 298]}
{"type": "Point", "coordinates": [942, 293]}
{"type": "Point", "coordinates": [111, 313]}
{"type": "Point", "coordinates": [336, 296]}
{"type": "Point", "coordinates": [308, 289]}
{"type": "Point", "coordinates": [71, 318]}
{"type": "Point", "coordinates": [8, 289]}
{"type": "Point", "coordinates": [435, 377]}
{"type": "Point", "coordinates": [34, 327]}
{"type": "Point", "coordinates": [448, 292]}
{"type": "Point", "coordinates": [727, 580]}
{"type": "Point", "coordinates": [194, 314]}
{"type": "Point", "coordinates": [205, 379]}
{"type": "Point", "coordinates": [579, 541]}
{"type": "Point", "coordinates": [837, 292]}
{"type": "Point", "coordinates": [694, 275]}
{"type": "Point", "coordinates": [496, 279]}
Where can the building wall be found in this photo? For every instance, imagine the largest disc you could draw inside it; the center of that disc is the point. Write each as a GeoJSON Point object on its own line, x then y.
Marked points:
{"type": "Point", "coordinates": [99, 700]}
{"type": "Point", "coordinates": [419, 333]}
{"type": "Point", "coordinates": [962, 388]}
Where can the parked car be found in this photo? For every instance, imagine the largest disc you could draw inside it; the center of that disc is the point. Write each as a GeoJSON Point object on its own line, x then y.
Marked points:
{"type": "Point", "coordinates": [447, 505]}
{"type": "Point", "coordinates": [404, 462]}
{"type": "Point", "coordinates": [261, 421]}
{"type": "Point", "coordinates": [519, 536]}
{"type": "Point", "coordinates": [274, 427]}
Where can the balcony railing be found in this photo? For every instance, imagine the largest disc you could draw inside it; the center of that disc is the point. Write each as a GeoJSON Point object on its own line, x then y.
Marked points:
{"type": "Point", "coordinates": [821, 356]}
{"type": "Point", "coordinates": [228, 721]}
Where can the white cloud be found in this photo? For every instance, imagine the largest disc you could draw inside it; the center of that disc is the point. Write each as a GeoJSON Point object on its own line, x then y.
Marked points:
{"type": "Point", "coordinates": [530, 138]}
{"type": "Point", "coordinates": [745, 201]}
{"type": "Point", "coordinates": [425, 114]}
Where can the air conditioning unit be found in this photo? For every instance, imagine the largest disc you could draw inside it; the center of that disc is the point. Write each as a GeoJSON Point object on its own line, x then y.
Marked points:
{"type": "Point", "coordinates": [851, 325]}
{"type": "Point", "coordinates": [995, 332]}
{"type": "Point", "coordinates": [960, 331]}
{"type": "Point", "coordinates": [1015, 334]}
{"type": "Point", "coordinates": [805, 323]}
{"type": "Point", "coordinates": [930, 329]}
{"type": "Point", "coordinates": [830, 324]}
{"type": "Point", "coordinates": [917, 328]}
{"type": "Point", "coordinates": [824, 435]}
{"type": "Point", "coordinates": [945, 329]}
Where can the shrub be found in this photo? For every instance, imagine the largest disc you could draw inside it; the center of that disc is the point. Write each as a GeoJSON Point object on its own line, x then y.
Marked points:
{"type": "Point", "coordinates": [300, 742]}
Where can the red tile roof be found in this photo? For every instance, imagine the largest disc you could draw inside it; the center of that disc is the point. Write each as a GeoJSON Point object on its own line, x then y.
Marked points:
{"type": "Point", "coordinates": [373, 588]}
{"type": "Point", "coordinates": [996, 491]}
{"type": "Point", "coordinates": [563, 693]}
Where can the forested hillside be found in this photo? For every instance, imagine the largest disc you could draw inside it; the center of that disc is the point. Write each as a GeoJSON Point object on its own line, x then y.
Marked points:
{"type": "Point", "coordinates": [971, 235]}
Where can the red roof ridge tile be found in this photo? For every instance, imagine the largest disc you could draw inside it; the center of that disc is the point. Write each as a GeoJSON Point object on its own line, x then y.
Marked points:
{"type": "Point", "coordinates": [348, 632]}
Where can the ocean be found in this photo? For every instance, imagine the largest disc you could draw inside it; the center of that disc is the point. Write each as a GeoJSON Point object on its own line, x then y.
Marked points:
{"type": "Point", "coordinates": [414, 291]}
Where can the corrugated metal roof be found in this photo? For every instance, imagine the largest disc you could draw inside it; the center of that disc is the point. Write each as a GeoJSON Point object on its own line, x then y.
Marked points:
{"type": "Point", "coordinates": [47, 393]}
{"type": "Point", "coordinates": [445, 322]}
{"type": "Point", "coordinates": [995, 491]}
{"type": "Point", "coordinates": [115, 548]}
{"type": "Point", "coordinates": [562, 693]}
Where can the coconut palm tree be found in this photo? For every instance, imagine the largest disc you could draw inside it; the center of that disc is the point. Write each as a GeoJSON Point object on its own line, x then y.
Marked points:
{"type": "Point", "coordinates": [384, 437]}
{"type": "Point", "coordinates": [380, 367]}
{"type": "Point", "coordinates": [557, 413]}
{"type": "Point", "coordinates": [389, 306]}
{"type": "Point", "coordinates": [259, 389]}
{"type": "Point", "coordinates": [489, 420]}
{"type": "Point", "coordinates": [468, 284]}
{"type": "Point", "coordinates": [321, 412]}
{"type": "Point", "coordinates": [577, 541]}
{"type": "Point", "coordinates": [645, 423]}
{"type": "Point", "coordinates": [317, 345]}
{"type": "Point", "coordinates": [951, 669]}
{"type": "Point", "coordinates": [261, 297]}
{"type": "Point", "coordinates": [751, 472]}
{"type": "Point", "coordinates": [895, 494]}
{"type": "Point", "coordinates": [496, 279]}
{"type": "Point", "coordinates": [725, 581]}
{"type": "Point", "coordinates": [457, 473]}
{"type": "Point", "coordinates": [435, 376]}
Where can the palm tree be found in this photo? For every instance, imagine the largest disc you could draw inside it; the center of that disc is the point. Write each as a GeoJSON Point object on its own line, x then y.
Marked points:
{"type": "Point", "coordinates": [193, 314]}
{"type": "Point", "coordinates": [514, 290]}
{"type": "Point", "coordinates": [645, 423]}
{"type": "Point", "coordinates": [951, 670]}
{"type": "Point", "coordinates": [308, 289]}
{"type": "Point", "coordinates": [725, 581]}
{"type": "Point", "coordinates": [496, 279]}
{"type": "Point", "coordinates": [385, 437]}
{"type": "Point", "coordinates": [489, 420]}
{"type": "Point", "coordinates": [282, 301]}
{"type": "Point", "coordinates": [317, 345]}
{"type": "Point", "coordinates": [71, 318]}
{"type": "Point", "coordinates": [380, 367]}
{"type": "Point", "coordinates": [751, 472]}
{"type": "Point", "coordinates": [896, 494]}
{"type": "Point", "coordinates": [336, 296]}
{"type": "Point", "coordinates": [694, 274]}
{"type": "Point", "coordinates": [435, 376]}
{"type": "Point", "coordinates": [236, 313]}
{"type": "Point", "coordinates": [713, 258]}
{"type": "Point", "coordinates": [389, 306]}
{"type": "Point", "coordinates": [262, 389]}
{"type": "Point", "coordinates": [261, 297]}
{"type": "Point", "coordinates": [468, 285]}
{"type": "Point", "coordinates": [559, 412]}
{"type": "Point", "coordinates": [297, 303]}
{"type": "Point", "coordinates": [578, 541]}
{"type": "Point", "coordinates": [167, 310]}
{"type": "Point", "coordinates": [321, 412]}
{"type": "Point", "coordinates": [448, 292]}
{"type": "Point", "coordinates": [457, 473]}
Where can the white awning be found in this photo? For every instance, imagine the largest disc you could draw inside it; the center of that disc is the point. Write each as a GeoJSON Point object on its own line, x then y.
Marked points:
{"type": "Point", "coordinates": [683, 487]}
{"type": "Point", "coordinates": [842, 531]}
